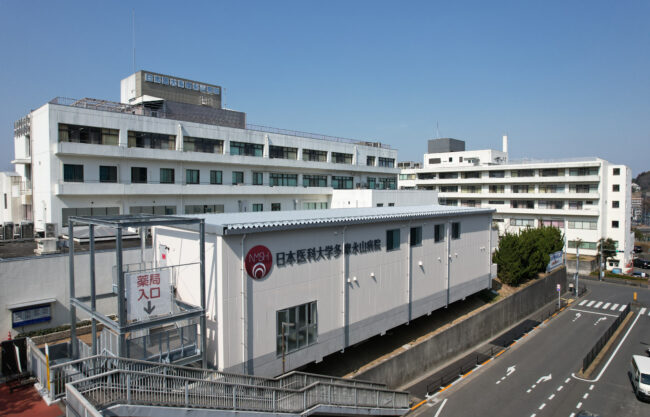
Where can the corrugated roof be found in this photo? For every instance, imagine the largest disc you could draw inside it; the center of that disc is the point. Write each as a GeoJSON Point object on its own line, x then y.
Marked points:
{"type": "Point", "coordinates": [251, 222]}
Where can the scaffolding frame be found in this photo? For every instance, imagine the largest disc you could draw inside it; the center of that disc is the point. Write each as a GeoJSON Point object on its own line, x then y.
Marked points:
{"type": "Point", "coordinates": [122, 327]}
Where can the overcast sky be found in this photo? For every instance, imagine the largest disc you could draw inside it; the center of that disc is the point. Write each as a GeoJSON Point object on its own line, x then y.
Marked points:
{"type": "Point", "coordinates": [561, 78]}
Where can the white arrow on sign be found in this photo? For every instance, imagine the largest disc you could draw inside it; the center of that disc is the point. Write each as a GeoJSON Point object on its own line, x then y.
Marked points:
{"type": "Point", "coordinates": [510, 370]}
{"type": "Point", "coordinates": [545, 378]}
{"type": "Point", "coordinates": [578, 315]}
{"type": "Point", "coordinates": [598, 321]}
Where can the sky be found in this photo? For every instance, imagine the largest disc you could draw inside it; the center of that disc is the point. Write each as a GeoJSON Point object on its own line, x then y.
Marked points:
{"type": "Point", "coordinates": [561, 78]}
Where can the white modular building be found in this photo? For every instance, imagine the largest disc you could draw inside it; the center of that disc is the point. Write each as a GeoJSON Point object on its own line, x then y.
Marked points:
{"type": "Point", "coordinates": [169, 147]}
{"type": "Point", "coordinates": [587, 198]}
{"type": "Point", "coordinates": [302, 285]}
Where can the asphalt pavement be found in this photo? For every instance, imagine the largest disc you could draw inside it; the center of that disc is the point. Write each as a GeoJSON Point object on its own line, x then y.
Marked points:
{"type": "Point", "coordinates": [538, 376]}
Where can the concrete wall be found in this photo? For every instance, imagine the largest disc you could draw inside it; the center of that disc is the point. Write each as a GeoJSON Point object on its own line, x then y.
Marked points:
{"type": "Point", "coordinates": [476, 329]}
{"type": "Point", "coordinates": [35, 278]}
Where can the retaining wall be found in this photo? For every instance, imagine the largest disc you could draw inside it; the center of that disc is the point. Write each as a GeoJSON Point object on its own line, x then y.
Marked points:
{"type": "Point", "coordinates": [424, 356]}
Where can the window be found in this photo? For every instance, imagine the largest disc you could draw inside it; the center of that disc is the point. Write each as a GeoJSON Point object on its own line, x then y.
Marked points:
{"type": "Point", "coordinates": [448, 188]}
{"type": "Point", "coordinates": [439, 233]}
{"type": "Point", "coordinates": [614, 224]}
{"type": "Point", "coordinates": [372, 183]}
{"type": "Point", "coordinates": [392, 239]}
{"type": "Point", "coordinates": [246, 149]}
{"type": "Point", "coordinates": [616, 187]}
{"type": "Point", "coordinates": [282, 152]}
{"type": "Point", "coordinates": [87, 211]}
{"type": "Point", "coordinates": [550, 204]}
{"type": "Point", "coordinates": [471, 174]}
{"type": "Point", "coordinates": [583, 224]}
{"type": "Point", "coordinates": [287, 180]}
{"type": "Point", "coordinates": [342, 183]}
{"type": "Point", "coordinates": [583, 188]}
{"type": "Point", "coordinates": [522, 189]}
{"type": "Point", "coordinates": [258, 207]}
{"type": "Point", "coordinates": [451, 159]}
{"type": "Point", "coordinates": [191, 144]}
{"type": "Point", "coordinates": [387, 184]}
{"type": "Point", "coordinates": [522, 204]}
{"type": "Point", "coordinates": [138, 175]}
{"type": "Point", "coordinates": [583, 245]}
{"type": "Point", "coordinates": [448, 175]}
{"type": "Point", "coordinates": [158, 210]}
{"type": "Point", "coordinates": [370, 161]}
{"type": "Point", "coordinates": [5, 201]}
{"type": "Point", "coordinates": [73, 173]}
{"type": "Point", "coordinates": [500, 202]}
{"type": "Point", "coordinates": [455, 230]}
{"type": "Point", "coordinates": [314, 155]}
{"type": "Point", "coordinates": [296, 327]}
{"type": "Point", "coordinates": [471, 189]}
{"type": "Point", "coordinates": [416, 236]}
{"type": "Point", "coordinates": [192, 176]}
{"type": "Point", "coordinates": [497, 174]}
{"type": "Point", "coordinates": [522, 222]}
{"type": "Point", "coordinates": [616, 171]}
{"type": "Point", "coordinates": [275, 207]}
{"type": "Point", "coordinates": [551, 172]}
{"type": "Point", "coordinates": [167, 176]}
{"type": "Point", "coordinates": [391, 204]}
{"type": "Point", "coordinates": [314, 205]}
{"type": "Point", "coordinates": [447, 202]}
{"type": "Point", "coordinates": [497, 189]}
{"type": "Point", "coordinates": [426, 176]}
{"type": "Point", "coordinates": [553, 223]}
{"type": "Point", "coordinates": [341, 158]}
{"type": "Point", "coordinates": [237, 177]}
{"type": "Point", "coordinates": [616, 204]}
{"type": "Point", "coordinates": [583, 171]}
{"type": "Point", "coordinates": [314, 180]}
{"type": "Point", "coordinates": [216, 177]}
{"type": "Point", "coordinates": [380, 204]}
{"type": "Point", "coordinates": [258, 178]}
{"type": "Point", "coordinates": [470, 203]}
{"type": "Point", "coordinates": [151, 140]}
{"type": "Point", "coordinates": [88, 134]}
{"type": "Point", "coordinates": [204, 208]}
{"type": "Point", "coordinates": [522, 173]}
{"type": "Point", "coordinates": [31, 315]}
{"type": "Point", "coordinates": [434, 160]}
{"type": "Point", "coordinates": [551, 188]}
{"type": "Point", "coordinates": [107, 173]}
{"type": "Point", "coordinates": [407, 176]}
{"type": "Point", "coordinates": [385, 162]}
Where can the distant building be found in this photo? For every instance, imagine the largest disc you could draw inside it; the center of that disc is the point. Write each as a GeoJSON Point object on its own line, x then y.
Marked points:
{"type": "Point", "coordinates": [637, 207]}
{"type": "Point", "coordinates": [409, 164]}
{"type": "Point", "coordinates": [587, 198]}
{"type": "Point", "coordinates": [169, 147]}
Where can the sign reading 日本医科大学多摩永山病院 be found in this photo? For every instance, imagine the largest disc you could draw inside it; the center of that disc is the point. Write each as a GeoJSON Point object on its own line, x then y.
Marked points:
{"type": "Point", "coordinates": [148, 294]}
{"type": "Point", "coordinates": [556, 260]}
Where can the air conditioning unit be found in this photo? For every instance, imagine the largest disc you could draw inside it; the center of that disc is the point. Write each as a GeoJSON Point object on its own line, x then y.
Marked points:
{"type": "Point", "coordinates": [50, 230]}
{"type": "Point", "coordinates": [46, 246]}
{"type": "Point", "coordinates": [8, 231]}
{"type": "Point", "coordinates": [26, 230]}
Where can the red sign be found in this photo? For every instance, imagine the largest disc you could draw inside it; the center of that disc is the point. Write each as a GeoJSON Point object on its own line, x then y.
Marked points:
{"type": "Point", "coordinates": [258, 262]}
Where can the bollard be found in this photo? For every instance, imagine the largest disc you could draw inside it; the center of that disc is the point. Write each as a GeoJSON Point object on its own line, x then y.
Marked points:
{"type": "Point", "coordinates": [635, 297]}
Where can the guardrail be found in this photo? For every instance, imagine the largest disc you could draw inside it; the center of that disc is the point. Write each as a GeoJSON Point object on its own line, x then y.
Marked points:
{"type": "Point", "coordinates": [144, 388]}
{"type": "Point", "coordinates": [589, 358]}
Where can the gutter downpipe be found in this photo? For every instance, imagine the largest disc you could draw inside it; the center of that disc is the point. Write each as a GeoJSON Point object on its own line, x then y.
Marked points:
{"type": "Point", "coordinates": [448, 236]}
{"type": "Point", "coordinates": [345, 294]}
{"type": "Point", "coordinates": [243, 307]}
{"type": "Point", "coordinates": [409, 278]}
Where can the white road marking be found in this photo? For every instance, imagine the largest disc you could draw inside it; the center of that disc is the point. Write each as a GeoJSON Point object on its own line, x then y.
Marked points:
{"type": "Point", "coordinates": [545, 378]}
{"type": "Point", "coordinates": [642, 311]}
{"type": "Point", "coordinates": [503, 377]}
{"type": "Point", "coordinates": [599, 320]}
{"type": "Point", "coordinates": [440, 409]}
{"type": "Point", "coordinates": [584, 397]}
{"type": "Point", "coordinates": [510, 370]}
{"type": "Point", "coordinates": [578, 315]}
{"type": "Point", "coordinates": [622, 307]}
{"type": "Point", "coordinates": [591, 303]}
{"type": "Point", "coordinates": [529, 390]}
{"type": "Point", "coordinates": [566, 381]}
{"type": "Point", "coordinates": [541, 407]}
{"type": "Point", "coordinates": [560, 388]}
{"type": "Point", "coordinates": [598, 304]}
{"type": "Point", "coordinates": [551, 397]}
{"type": "Point", "coordinates": [606, 306]}
{"type": "Point", "coordinates": [579, 405]}
{"type": "Point", "coordinates": [595, 312]}
{"type": "Point", "coordinates": [582, 302]}
{"type": "Point", "coordinates": [615, 306]}
{"type": "Point", "coordinates": [591, 387]}
{"type": "Point", "coordinates": [572, 415]}
{"type": "Point", "coordinates": [498, 382]}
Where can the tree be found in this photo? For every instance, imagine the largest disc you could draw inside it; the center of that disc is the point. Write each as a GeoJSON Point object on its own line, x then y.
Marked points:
{"type": "Point", "coordinates": [608, 249]}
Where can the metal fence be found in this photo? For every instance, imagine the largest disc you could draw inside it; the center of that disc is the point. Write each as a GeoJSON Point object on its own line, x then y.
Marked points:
{"type": "Point", "coordinates": [589, 358]}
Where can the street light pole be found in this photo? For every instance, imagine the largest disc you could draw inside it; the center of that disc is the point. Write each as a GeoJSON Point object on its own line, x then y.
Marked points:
{"type": "Point", "coordinates": [578, 242]}
{"type": "Point", "coordinates": [282, 325]}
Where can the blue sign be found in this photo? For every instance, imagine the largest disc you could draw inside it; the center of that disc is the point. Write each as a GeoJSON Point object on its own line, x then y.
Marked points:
{"type": "Point", "coordinates": [557, 259]}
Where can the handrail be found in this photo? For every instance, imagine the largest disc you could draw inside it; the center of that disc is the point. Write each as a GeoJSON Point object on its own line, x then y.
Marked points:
{"type": "Point", "coordinates": [143, 388]}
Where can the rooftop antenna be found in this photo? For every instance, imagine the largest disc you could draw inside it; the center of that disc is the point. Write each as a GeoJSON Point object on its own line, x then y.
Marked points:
{"type": "Point", "coordinates": [437, 131]}
{"type": "Point", "coordinates": [133, 36]}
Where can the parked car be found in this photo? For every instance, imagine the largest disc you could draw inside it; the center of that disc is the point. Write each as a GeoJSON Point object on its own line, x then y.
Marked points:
{"type": "Point", "coordinates": [639, 274]}
{"type": "Point", "coordinates": [638, 249]}
{"type": "Point", "coordinates": [641, 263]}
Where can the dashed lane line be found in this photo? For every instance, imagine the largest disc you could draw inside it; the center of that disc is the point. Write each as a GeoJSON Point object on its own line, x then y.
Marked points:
{"type": "Point", "coordinates": [584, 397]}
{"type": "Point", "coordinates": [579, 405]}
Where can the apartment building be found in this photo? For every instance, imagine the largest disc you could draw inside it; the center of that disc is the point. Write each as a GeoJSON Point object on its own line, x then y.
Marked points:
{"type": "Point", "coordinates": [170, 148]}
{"type": "Point", "coordinates": [587, 198]}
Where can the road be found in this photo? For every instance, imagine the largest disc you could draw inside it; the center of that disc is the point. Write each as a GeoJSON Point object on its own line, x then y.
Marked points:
{"type": "Point", "coordinates": [538, 375]}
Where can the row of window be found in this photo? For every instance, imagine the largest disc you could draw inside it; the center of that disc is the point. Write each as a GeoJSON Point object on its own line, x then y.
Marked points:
{"type": "Point", "coordinates": [175, 82]}
{"type": "Point", "coordinates": [108, 174]}
{"type": "Point", "coordinates": [527, 204]}
{"type": "Point", "coordinates": [415, 235]}
{"type": "Point", "coordinates": [572, 224]}
{"type": "Point", "coordinates": [522, 188]}
{"type": "Point", "coordinates": [515, 173]}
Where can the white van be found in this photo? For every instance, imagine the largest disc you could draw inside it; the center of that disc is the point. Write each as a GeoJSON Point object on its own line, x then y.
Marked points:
{"type": "Point", "coordinates": [640, 376]}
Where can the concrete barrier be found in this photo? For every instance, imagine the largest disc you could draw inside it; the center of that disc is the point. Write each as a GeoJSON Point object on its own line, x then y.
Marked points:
{"type": "Point", "coordinates": [429, 353]}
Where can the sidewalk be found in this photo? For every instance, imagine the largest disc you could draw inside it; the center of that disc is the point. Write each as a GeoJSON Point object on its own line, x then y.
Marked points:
{"type": "Point", "coordinates": [26, 402]}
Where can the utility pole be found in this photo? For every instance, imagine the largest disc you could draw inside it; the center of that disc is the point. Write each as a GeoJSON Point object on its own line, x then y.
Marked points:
{"type": "Point", "coordinates": [578, 242]}
{"type": "Point", "coordinates": [601, 274]}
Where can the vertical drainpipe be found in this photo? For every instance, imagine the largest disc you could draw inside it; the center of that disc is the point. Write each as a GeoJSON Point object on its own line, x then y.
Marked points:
{"type": "Point", "coordinates": [73, 309]}
{"type": "Point", "coordinates": [448, 258]}
{"type": "Point", "coordinates": [204, 335]}
{"type": "Point", "coordinates": [345, 294]}
{"type": "Point", "coordinates": [243, 307]}
{"type": "Point", "coordinates": [409, 278]}
{"type": "Point", "coordinates": [93, 294]}
{"type": "Point", "coordinates": [121, 292]}
{"type": "Point", "coordinates": [489, 251]}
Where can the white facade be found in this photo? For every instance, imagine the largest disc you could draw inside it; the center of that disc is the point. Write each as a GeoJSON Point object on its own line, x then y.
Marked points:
{"type": "Point", "coordinates": [10, 198]}
{"type": "Point", "coordinates": [587, 199]}
{"type": "Point", "coordinates": [384, 280]}
{"type": "Point", "coordinates": [65, 176]}
{"type": "Point", "coordinates": [382, 198]}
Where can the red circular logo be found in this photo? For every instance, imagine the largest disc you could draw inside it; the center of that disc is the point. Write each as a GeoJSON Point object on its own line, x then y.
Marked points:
{"type": "Point", "coordinates": [258, 262]}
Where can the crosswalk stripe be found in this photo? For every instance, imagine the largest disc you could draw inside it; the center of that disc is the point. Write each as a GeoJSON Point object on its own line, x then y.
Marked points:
{"type": "Point", "coordinates": [614, 307]}
{"type": "Point", "coordinates": [622, 307]}
{"type": "Point", "coordinates": [642, 311]}
{"type": "Point", "coordinates": [582, 302]}
{"type": "Point", "coordinates": [606, 306]}
{"type": "Point", "coordinates": [598, 304]}
{"type": "Point", "coordinates": [591, 303]}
